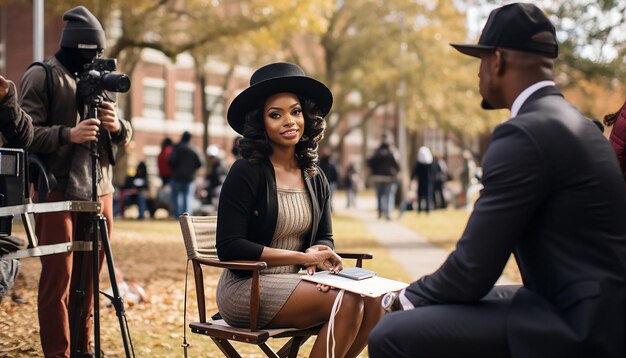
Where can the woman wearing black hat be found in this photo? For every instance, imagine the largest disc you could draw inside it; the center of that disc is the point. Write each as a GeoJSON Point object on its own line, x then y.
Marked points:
{"type": "Point", "coordinates": [274, 207]}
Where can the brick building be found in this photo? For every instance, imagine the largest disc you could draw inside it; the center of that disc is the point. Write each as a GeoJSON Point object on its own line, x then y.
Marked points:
{"type": "Point", "coordinates": [165, 98]}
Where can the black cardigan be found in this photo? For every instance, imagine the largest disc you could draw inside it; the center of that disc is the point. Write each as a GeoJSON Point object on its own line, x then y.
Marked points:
{"type": "Point", "coordinates": [248, 209]}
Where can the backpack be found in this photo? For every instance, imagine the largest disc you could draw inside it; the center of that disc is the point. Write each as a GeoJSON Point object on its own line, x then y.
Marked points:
{"type": "Point", "coordinates": [38, 175]}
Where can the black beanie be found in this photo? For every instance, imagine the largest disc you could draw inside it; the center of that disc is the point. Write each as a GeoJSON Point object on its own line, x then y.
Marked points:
{"type": "Point", "coordinates": [83, 30]}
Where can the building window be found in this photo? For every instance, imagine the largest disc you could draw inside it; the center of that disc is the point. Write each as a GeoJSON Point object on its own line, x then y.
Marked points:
{"type": "Point", "coordinates": [185, 101]}
{"type": "Point", "coordinates": [215, 104]}
{"type": "Point", "coordinates": [154, 98]}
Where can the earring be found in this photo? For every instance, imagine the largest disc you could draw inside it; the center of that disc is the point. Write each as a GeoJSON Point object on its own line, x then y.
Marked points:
{"type": "Point", "coordinates": [304, 138]}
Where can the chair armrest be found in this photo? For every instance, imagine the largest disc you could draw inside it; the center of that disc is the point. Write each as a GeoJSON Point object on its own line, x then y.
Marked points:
{"type": "Point", "coordinates": [233, 265]}
{"type": "Point", "coordinates": [354, 255]}
{"type": "Point", "coordinates": [255, 292]}
{"type": "Point", "coordinates": [359, 257]}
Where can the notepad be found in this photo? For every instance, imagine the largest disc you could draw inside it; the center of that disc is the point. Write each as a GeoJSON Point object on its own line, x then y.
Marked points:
{"type": "Point", "coordinates": [371, 287]}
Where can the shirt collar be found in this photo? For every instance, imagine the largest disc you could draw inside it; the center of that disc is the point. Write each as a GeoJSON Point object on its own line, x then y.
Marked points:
{"type": "Point", "coordinates": [522, 97]}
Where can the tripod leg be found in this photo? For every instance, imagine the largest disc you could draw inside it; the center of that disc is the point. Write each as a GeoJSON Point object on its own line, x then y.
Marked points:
{"type": "Point", "coordinates": [79, 300]}
{"type": "Point", "coordinates": [96, 281]}
{"type": "Point", "coordinates": [82, 231]}
{"type": "Point", "coordinates": [117, 301]}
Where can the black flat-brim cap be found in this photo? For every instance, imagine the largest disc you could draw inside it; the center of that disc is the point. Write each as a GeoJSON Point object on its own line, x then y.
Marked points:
{"type": "Point", "coordinates": [513, 27]}
{"type": "Point", "coordinates": [272, 79]}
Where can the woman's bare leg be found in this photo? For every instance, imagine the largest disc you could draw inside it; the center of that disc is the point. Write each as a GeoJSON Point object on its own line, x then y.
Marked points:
{"type": "Point", "coordinates": [372, 313]}
{"type": "Point", "coordinates": [307, 307]}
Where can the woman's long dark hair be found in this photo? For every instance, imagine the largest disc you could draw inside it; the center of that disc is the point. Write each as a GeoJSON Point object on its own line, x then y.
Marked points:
{"type": "Point", "coordinates": [255, 146]}
{"type": "Point", "coordinates": [610, 119]}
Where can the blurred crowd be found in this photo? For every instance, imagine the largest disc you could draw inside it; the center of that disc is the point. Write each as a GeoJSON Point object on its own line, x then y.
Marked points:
{"type": "Point", "coordinates": [185, 179]}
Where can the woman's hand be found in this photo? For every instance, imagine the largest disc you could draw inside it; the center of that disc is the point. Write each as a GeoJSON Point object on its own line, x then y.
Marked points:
{"type": "Point", "coordinates": [322, 257]}
{"type": "Point", "coordinates": [323, 288]}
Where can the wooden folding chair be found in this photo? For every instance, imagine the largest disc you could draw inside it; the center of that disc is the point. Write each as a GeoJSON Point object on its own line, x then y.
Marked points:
{"type": "Point", "coordinates": [199, 236]}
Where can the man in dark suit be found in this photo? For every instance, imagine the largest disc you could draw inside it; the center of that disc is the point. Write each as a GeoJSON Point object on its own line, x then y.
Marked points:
{"type": "Point", "coordinates": [553, 196]}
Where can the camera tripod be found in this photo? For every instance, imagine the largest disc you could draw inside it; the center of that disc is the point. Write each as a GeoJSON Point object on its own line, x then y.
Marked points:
{"type": "Point", "coordinates": [99, 235]}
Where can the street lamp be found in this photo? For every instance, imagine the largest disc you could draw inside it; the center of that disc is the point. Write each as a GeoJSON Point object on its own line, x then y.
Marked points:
{"type": "Point", "coordinates": [38, 27]}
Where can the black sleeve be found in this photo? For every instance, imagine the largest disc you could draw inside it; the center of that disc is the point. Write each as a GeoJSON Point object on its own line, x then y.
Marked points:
{"type": "Point", "coordinates": [513, 189]}
{"type": "Point", "coordinates": [324, 234]}
{"type": "Point", "coordinates": [15, 125]}
{"type": "Point", "coordinates": [237, 200]}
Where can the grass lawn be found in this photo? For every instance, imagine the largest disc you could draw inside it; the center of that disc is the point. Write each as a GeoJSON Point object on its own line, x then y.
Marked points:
{"type": "Point", "coordinates": [444, 228]}
{"type": "Point", "coordinates": [152, 254]}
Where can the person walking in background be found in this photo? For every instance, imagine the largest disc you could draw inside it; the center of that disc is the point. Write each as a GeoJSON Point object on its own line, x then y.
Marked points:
{"type": "Point", "coordinates": [216, 173]}
{"type": "Point", "coordinates": [441, 176]}
{"type": "Point", "coordinates": [275, 207]}
{"type": "Point", "coordinates": [617, 138]}
{"type": "Point", "coordinates": [165, 170]}
{"type": "Point", "coordinates": [384, 169]}
{"type": "Point", "coordinates": [62, 140]}
{"type": "Point", "coordinates": [136, 190]}
{"type": "Point", "coordinates": [329, 167]}
{"type": "Point", "coordinates": [553, 196]}
{"type": "Point", "coordinates": [424, 174]}
{"type": "Point", "coordinates": [163, 198]}
{"type": "Point", "coordinates": [352, 182]}
{"type": "Point", "coordinates": [185, 160]}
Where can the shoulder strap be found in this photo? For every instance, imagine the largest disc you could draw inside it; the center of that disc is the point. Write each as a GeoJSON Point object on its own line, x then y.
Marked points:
{"type": "Point", "coordinates": [43, 180]}
{"type": "Point", "coordinates": [48, 81]}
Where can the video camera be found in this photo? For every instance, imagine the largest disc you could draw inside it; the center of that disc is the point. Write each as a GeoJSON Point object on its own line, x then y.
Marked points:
{"type": "Point", "coordinates": [96, 79]}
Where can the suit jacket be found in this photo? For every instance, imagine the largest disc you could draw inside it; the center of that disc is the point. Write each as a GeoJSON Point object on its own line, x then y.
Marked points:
{"type": "Point", "coordinates": [554, 196]}
{"type": "Point", "coordinates": [248, 210]}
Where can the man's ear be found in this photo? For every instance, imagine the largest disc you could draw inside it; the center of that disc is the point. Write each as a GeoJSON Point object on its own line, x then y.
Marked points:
{"type": "Point", "coordinates": [499, 62]}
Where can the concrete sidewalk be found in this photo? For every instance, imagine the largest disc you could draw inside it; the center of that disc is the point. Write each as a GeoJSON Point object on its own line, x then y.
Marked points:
{"type": "Point", "coordinates": [417, 256]}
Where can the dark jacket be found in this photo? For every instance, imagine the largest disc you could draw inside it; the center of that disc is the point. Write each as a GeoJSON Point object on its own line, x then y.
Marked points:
{"type": "Point", "coordinates": [184, 161]}
{"type": "Point", "coordinates": [329, 167]}
{"type": "Point", "coordinates": [15, 125]}
{"type": "Point", "coordinates": [248, 209]}
{"type": "Point", "coordinates": [554, 196]}
{"type": "Point", "coordinates": [383, 163]}
{"type": "Point", "coordinates": [51, 140]}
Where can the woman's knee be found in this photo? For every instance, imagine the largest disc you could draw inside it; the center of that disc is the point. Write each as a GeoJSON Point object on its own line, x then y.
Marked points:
{"type": "Point", "coordinates": [372, 304]}
{"type": "Point", "coordinates": [372, 309]}
{"type": "Point", "coordinates": [352, 304]}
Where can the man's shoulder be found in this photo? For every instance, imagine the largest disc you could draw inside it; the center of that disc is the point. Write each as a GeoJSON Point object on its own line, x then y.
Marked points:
{"type": "Point", "coordinates": [40, 68]}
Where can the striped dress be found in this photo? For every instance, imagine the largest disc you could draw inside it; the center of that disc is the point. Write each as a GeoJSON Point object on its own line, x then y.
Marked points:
{"type": "Point", "coordinates": [277, 283]}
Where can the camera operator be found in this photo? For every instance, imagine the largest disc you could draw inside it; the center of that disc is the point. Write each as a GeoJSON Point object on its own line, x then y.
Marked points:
{"type": "Point", "coordinates": [17, 132]}
{"type": "Point", "coordinates": [62, 140]}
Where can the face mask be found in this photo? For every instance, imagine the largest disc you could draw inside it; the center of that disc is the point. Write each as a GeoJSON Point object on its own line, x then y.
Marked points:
{"type": "Point", "coordinates": [88, 55]}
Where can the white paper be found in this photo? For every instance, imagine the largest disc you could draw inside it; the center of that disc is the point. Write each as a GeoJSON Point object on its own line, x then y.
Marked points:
{"type": "Point", "coordinates": [372, 287]}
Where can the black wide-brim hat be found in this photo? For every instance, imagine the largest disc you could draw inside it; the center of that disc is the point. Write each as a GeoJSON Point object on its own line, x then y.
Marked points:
{"type": "Point", "coordinates": [277, 78]}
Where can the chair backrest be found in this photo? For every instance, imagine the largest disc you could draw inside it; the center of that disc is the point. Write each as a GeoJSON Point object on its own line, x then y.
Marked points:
{"type": "Point", "coordinates": [199, 236]}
